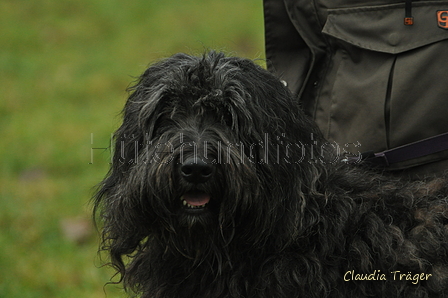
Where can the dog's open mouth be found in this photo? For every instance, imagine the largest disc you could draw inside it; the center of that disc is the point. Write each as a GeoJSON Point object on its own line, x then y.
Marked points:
{"type": "Point", "coordinates": [195, 199]}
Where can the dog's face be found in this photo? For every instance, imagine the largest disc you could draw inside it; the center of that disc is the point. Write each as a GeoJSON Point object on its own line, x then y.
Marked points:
{"type": "Point", "coordinates": [195, 134]}
{"type": "Point", "coordinates": [203, 146]}
{"type": "Point", "coordinates": [188, 151]}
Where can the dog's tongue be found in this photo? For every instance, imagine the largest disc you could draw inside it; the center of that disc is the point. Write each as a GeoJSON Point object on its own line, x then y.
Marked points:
{"type": "Point", "coordinates": [196, 198]}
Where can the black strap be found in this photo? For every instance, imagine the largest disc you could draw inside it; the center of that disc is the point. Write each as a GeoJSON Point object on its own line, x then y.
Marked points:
{"type": "Point", "coordinates": [411, 151]}
{"type": "Point", "coordinates": [406, 152]}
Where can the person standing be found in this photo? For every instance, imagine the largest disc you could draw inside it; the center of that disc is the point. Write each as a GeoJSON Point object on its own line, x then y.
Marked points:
{"type": "Point", "coordinates": [372, 74]}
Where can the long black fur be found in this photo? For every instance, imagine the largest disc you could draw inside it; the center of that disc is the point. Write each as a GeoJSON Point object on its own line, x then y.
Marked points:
{"type": "Point", "coordinates": [286, 218]}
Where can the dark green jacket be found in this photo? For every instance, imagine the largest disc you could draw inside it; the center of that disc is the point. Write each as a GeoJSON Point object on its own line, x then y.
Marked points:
{"type": "Point", "coordinates": [370, 82]}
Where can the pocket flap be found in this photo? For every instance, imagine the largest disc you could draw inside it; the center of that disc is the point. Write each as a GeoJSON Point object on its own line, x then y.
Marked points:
{"type": "Point", "coordinates": [381, 28]}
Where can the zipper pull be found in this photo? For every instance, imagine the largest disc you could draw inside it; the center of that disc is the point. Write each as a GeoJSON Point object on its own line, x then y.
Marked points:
{"type": "Point", "coordinates": [408, 18]}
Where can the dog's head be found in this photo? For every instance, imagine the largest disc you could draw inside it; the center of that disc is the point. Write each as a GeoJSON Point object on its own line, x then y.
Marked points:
{"type": "Point", "coordinates": [208, 145]}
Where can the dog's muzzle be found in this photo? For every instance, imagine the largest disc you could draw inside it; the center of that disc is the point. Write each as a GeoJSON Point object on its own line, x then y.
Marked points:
{"type": "Point", "coordinates": [196, 172]}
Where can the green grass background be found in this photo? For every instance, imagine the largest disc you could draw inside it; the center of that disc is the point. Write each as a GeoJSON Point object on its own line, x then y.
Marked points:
{"type": "Point", "coordinates": [64, 68]}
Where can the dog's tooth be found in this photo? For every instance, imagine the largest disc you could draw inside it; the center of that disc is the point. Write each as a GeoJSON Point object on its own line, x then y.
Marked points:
{"type": "Point", "coordinates": [184, 202]}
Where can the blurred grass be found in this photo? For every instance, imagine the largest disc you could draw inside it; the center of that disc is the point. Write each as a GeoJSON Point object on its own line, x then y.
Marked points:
{"type": "Point", "coordinates": [64, 68]}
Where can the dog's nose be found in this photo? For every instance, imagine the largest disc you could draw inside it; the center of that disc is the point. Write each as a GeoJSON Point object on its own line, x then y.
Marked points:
{"type": "Point", "coordinates": [195, 170]}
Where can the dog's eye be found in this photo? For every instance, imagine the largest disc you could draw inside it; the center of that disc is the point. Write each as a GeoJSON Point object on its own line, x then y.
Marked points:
{"type": "Point", "coordinates": [227, 119]}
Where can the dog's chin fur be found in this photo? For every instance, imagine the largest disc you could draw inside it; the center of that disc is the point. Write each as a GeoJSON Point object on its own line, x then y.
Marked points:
{"type": "Point", "coordinates": [276, 214]}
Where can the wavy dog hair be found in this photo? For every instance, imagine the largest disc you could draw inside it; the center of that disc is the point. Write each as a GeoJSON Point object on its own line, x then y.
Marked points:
{"type": "Point", "coordinates": [283, 217]}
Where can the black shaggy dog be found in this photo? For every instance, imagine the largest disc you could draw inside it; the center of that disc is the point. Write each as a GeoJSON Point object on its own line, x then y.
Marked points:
{"type": "Point", "coordinates": [221, 187]}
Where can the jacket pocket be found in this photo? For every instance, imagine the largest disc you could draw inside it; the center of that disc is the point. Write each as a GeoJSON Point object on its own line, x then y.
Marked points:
{"type": "Point", "coordinates": [381, 28]}
{"type": "Point", "coordinates": [388, 82]}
